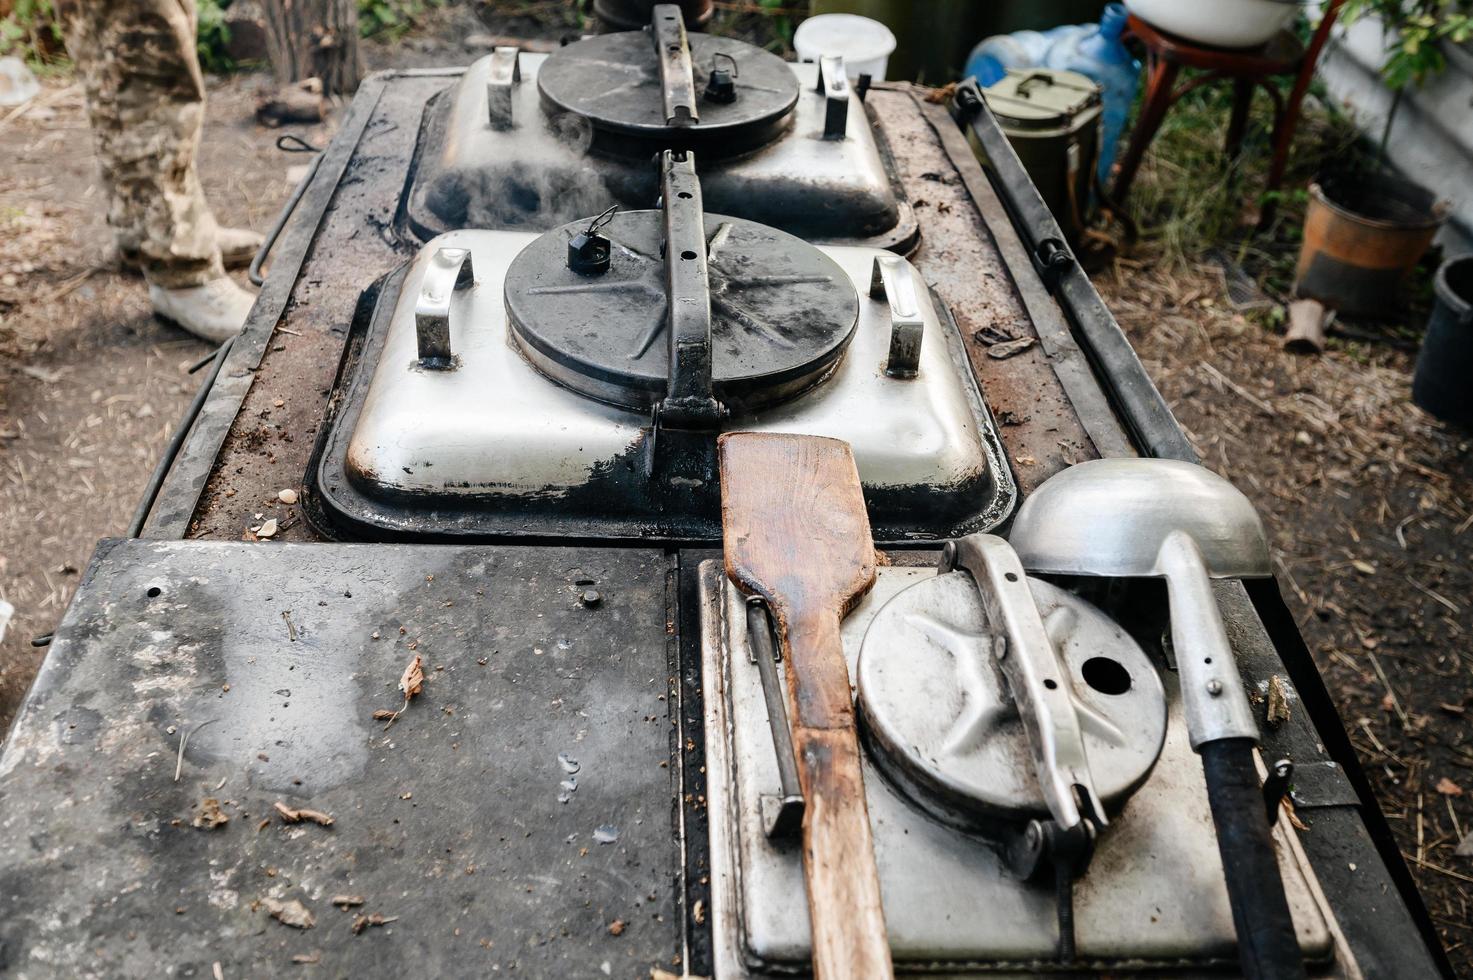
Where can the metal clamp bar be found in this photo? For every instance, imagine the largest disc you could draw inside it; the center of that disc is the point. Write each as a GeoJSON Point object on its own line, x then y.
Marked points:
{"type": "Point", "coordinates": [450, 269]}
{"type": "Point", "coordinates": [833, 85]}
{"type": "Point", "coordinates": [1213, 696]}
{"type": "Point", "coordinates": [501, 85]}
{"type": "Point", "coordinates": [891, 280]}
{"type": "Point", "coordinates": [677, 76]}
{"type": "Point", "coordinates": [689, 401]}
{"type": "Point", "coordinates": [782, 815]}
{"type": "Point", "coordinates": [1035, 674]}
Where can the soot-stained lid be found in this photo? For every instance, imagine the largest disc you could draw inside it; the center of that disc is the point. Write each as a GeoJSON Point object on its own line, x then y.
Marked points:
{"type": "Point", "coordinates": [782, 312]}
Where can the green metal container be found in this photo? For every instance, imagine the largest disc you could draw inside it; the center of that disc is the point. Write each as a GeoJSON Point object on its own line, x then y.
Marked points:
{"type": "Point", "coordinates": [1052, 118]}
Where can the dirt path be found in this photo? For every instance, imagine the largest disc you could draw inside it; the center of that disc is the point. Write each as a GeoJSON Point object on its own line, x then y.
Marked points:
{"type": "Point", "coordinates": [91, 384]}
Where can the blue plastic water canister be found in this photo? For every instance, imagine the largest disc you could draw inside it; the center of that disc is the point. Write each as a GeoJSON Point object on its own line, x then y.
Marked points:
{"type": "Point", "coordinates": [1098, 53]}
{"type": "Point", "coordinates": [991, 58]}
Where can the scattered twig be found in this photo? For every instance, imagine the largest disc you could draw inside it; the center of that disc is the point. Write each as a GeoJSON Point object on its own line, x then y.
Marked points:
{"type": "Point", "coordinates": [183, 741]}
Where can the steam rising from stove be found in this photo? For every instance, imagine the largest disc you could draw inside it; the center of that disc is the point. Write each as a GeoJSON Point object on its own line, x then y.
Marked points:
{"type": "Point", "coordinates": [506, 193]}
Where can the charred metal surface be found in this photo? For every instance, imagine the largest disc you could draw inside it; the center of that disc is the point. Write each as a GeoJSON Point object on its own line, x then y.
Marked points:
{"type": "Point", "coordinates": [959, 256]}
{"type": "Point", "coordinates": [512, 814]}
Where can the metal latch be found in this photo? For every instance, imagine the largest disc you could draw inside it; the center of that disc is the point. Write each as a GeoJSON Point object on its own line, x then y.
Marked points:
{"type": "Point", "coordinates": [1042, 690]}
{"type": "Point", "coordinates": [677, 77]}
{"type": "Point", "coordinates": [689, 401]}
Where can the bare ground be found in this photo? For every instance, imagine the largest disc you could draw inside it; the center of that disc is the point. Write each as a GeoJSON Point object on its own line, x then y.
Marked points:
{"type": "Point", "coordinates": [1369, 502]}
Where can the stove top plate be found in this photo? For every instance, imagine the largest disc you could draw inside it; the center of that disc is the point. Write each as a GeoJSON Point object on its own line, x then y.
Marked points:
{"type": "Point", "coordinates": [1153, 894]}
{"type": "Point", "coordinates": [494, 449]}
{"type": "Point", "coordinates": [546, 169]}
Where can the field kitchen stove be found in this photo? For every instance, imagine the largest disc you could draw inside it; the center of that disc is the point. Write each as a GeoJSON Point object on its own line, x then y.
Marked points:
{"type": "Point", "coordinates": [573, 383]}
{"type": "Point", "coordinates": [470, 425]}
{"type": "Point", "coordinates": [534, 141]}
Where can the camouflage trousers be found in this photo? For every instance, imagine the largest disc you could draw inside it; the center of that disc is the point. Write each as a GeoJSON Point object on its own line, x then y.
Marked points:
{"type": "Point", "coordinates": [146, 103]}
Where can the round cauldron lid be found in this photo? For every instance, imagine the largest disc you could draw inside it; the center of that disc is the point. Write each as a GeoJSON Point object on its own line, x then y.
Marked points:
{"type": "Point", "coordinates": [782, 312]}
{"type": "Point", "coordinates": [939, 721]}
{"type": "Point", "coordinates": [613, 81]}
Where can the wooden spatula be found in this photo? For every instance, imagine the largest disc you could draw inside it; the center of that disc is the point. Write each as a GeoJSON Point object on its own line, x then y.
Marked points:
{"type": "Point", "coordinates": [796, 533]}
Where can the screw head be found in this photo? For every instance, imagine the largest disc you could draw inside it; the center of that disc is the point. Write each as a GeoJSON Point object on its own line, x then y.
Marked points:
{"type": "Point", "coordinates": [590, 598]}
{"type": "Point", "coordinates": [1214, 687]}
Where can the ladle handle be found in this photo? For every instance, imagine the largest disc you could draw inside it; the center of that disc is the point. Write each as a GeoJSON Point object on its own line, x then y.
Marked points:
{"type": "Point", "coordinates": [1268, 948]}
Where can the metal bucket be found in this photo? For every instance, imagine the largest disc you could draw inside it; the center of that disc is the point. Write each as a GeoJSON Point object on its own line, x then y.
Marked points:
{"type": "Point", "coordinates": [1445, 363]}
{"type": "Point", "coordinates": [1362, 235]}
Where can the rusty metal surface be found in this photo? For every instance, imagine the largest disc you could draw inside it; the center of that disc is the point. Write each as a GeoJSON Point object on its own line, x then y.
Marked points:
{"type": "Point", "coordinates": [268, 445]}
{"type": "Point", "coordinates": [960, 257]}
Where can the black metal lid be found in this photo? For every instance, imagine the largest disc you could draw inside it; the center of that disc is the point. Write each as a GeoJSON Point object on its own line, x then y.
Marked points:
{"type": "Point", "coordinates": [782, 312]}
{"type": "Point", "coordinates": [623, 85]}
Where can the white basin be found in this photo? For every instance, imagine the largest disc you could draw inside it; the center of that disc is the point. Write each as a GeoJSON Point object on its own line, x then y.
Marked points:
{"type": "Point", "coordinates": [1219, 23]}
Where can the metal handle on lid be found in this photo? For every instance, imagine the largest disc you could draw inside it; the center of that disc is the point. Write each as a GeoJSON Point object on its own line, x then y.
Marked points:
{"type": "Point", "coordinates": [677, 77]}
{"type": "Point", "coordinates": [1036, 676]}
{"type": "Point", "coordinates": [833, 85]}
{"type": "Point", "coordinates": [450, 269]}
{"type": "Point", "coordinates": [891, 281]}
{"type": "Point", "coordinates": [689, 401]}
{"type": "Point", "coordinates": [501, 83]}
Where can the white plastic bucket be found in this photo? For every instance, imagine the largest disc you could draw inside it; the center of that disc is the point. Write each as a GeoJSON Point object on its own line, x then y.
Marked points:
{"type": "Point", "coordinates": [865, 44]}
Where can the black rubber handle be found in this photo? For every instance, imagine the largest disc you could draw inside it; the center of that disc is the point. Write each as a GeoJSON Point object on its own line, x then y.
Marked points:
{"type": "Point", "coordinates": [1267, 946]}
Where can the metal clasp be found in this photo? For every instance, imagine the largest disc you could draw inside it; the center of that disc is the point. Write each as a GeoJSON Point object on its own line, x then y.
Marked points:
{"type": "Point", "coordinates": [677, 76]}
{"type": "Point", "coordinates": [1036, 675]}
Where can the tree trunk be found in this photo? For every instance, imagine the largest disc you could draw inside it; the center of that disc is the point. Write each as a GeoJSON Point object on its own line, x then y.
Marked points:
{"type": "Point", "coordinates": [314, 39]}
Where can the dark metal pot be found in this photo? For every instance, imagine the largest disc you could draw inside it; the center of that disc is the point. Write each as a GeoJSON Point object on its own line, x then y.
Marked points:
{"type": "Point", "coordinates": [1445, 363]}
{"type": "Point", "coordinates": [1362, 235]}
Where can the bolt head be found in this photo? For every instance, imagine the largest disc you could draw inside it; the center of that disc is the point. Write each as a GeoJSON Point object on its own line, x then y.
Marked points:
{"type": "Point", "coordinates": [1214, 688]}
{"type": "Point", "coordinates": [590, 598]}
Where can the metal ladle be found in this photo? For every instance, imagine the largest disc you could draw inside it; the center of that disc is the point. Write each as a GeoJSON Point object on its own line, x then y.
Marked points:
{"type": "Point", "coordinates": [1157, 518]}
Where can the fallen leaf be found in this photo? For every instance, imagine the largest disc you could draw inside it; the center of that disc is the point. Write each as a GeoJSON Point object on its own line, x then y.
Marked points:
{"type": "Point", "coordinates": [292, 913]}
{"type": "Point", "coordinates": [1278, 701]}
{"type": "Point", "coordinates": [267, 530]}
{"type": "Point", "coordinates": [210, 815]}
{"type": "Point", "coordinates": [313, 957]}
{"type": "Point", "coordinates": [347, 901]}
{"type": "Point", "coordinates": [384, 714]}
{"type": "Point", "coordinates": [287, 496]}
{"type": "Point", "coordinates": [364, 921]}
{"type": "Point", "coordinates": [1447, 787]}
{"type": "Point", "coordinates": [414, 678]}
{"type": "Point", "coordinates": [1007, 349]}
{"type": "Point", "coordinates": [291, 815]}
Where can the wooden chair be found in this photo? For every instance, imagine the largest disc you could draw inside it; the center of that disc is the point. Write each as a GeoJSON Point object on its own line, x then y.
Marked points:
{"type": "Point", "coordinates": [1246, 68]}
